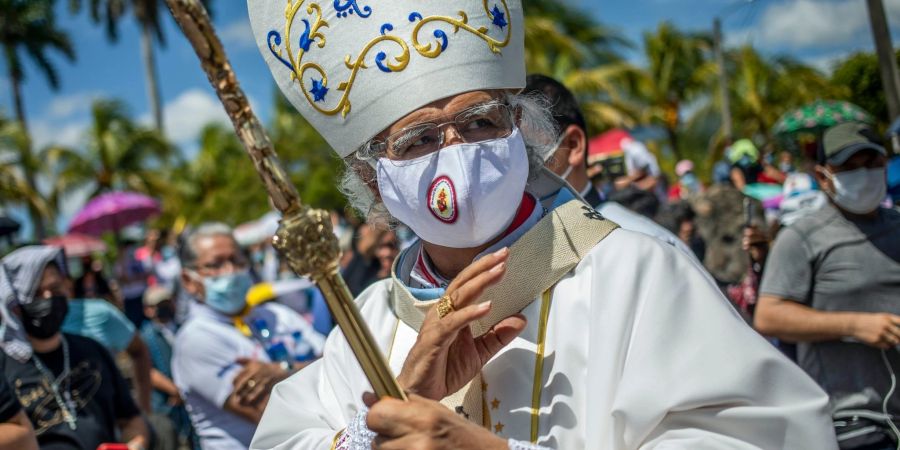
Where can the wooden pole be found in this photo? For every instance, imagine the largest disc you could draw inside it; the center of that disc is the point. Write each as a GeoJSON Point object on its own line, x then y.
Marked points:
{"type": "Point", "coordinates": [304, 236]}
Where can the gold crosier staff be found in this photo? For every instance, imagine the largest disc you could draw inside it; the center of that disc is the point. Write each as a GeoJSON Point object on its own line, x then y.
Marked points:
{"type": "Point", "coordinates": [304, 237]}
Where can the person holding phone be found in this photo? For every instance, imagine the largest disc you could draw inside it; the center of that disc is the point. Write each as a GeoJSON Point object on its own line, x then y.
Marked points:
{"type": "Point", "coordinates": [832, 281]}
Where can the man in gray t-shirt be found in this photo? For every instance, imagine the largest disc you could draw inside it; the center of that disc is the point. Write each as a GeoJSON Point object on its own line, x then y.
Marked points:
{"type": "Point", "coordinates": [832, 280]}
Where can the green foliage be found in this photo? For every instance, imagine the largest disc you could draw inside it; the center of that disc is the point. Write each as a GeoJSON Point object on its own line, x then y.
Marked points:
{"type": "Point", "coordinates": [678, 69]}
{"type": "Point", "coordinates": [568, 44]}
{"type": "Point", "coordinates": [29, 27]}
{"type": "Point", "coordinates": [311, 163]}
{"type": "Point", "coordinates": [220, 183]}
{"type": "Point", "coordinates": [860, 74]}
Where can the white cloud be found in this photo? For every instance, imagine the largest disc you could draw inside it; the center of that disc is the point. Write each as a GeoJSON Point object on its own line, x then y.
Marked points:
{"type": "Point", "coordinates": [811, 24]}
{"type": "Point", "coordinates": [66, 106]}
{"type": "Point", "coordinates": [237, 35]}
{"type": "Point", "coordinates": [46, 132]}
{"type": "Point", "coordinates": [827, 61]}
{"type": "Point", "coordinates": [187, 114]}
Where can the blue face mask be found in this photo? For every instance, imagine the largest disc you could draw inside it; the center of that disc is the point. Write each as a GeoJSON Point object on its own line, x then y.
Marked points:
{"type": "Point", "coordinates": [228, 293]}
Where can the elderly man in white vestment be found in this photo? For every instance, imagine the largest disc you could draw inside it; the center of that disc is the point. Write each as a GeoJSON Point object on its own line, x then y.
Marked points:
{"type": "Point", "coordinates": [535, 322]}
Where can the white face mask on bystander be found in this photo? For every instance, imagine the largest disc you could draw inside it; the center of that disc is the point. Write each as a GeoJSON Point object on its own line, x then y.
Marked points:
{"type": "Point", "coordinates": [858, 191]}
{"type": "Point", "coordinates": [460, 196]}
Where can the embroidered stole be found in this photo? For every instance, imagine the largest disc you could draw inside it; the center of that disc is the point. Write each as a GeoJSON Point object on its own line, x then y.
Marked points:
{"type": "Point", "coordinates": [537, 260]}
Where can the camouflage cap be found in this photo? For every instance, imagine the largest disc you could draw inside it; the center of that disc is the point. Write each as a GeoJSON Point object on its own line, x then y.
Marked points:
{"type": "Point", "coordinates": [845, 140]}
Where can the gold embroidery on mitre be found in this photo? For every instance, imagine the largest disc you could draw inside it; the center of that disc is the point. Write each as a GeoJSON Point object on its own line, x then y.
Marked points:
{"type": "Point", "coordinates": [313, 34]}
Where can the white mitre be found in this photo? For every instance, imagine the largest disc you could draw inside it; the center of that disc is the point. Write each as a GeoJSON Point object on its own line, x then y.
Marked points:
{"type": "Point", "coordinates": [354, 67]}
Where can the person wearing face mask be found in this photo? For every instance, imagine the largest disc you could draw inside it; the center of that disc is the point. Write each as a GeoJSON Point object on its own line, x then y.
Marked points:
{"type": "Point", "coordinates": [832, 279]}
{"type": "Point", "coordinates": [520, 317]}
{"type": "Point", "coordinates": [225, 368]}
{"type": "Point", "coordinates": [68, 385]}
{"type": "Point", "coordinates": [170, 418]}
{"type": "Point", "coordinates": [569, 161]}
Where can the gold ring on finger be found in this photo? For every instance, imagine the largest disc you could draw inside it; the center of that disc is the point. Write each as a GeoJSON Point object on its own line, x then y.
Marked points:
{"type": "Point", "coordinates": [251, 383]}
{"type": "Point", "coordinates": [444, 306]}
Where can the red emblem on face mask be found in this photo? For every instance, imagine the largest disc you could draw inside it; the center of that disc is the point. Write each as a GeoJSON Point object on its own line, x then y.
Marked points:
{"type": "Point", "coordinates": [442, 199]}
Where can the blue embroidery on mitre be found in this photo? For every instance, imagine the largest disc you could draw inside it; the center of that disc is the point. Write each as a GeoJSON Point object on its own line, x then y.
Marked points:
{"type": "Point", "coordinates": [391, 52]}
{"type": "Point", "coordinates": [350, 7]}
{"type": "Point", "coordinates": [318, 90]}
{"type": "Point", "coordinates": [499, 17]}
{"type": "Point", "coordinates": [305, 41]}
{"type": "Point", "coordinates": [274, 40]}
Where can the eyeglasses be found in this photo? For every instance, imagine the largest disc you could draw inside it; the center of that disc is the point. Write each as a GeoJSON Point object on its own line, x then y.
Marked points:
{"type": "Point", "coordinates": [479, 123]}
{"type": "Point", "coordinates": [218, 266]}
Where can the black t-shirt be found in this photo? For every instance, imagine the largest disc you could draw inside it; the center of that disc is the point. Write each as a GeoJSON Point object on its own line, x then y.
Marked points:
{"type": "Point", "coordinates": [100, 394]}
{"type": "Point", "coordinates": [9, 404]}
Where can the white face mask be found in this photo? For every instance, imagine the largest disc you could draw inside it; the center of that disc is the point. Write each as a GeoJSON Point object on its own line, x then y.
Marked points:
{"type": "Point", "coordinates": [461, 196]}
{"type": "Point", "coordinates": [552, 154]}
{"type": "Point", "coordinates": [858, 191]}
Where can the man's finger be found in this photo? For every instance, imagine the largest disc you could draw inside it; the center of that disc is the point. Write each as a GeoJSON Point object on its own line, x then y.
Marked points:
{"type": "Point", "coordinates": [467, 293]}
{"type": "Point", "coordinates": [241, 378]}
{"type": "Point", "coordinates": [401, 443]}
{"type": "Point", "coordinates": [483, 264]}
{"type": "Point", "coordinates": [499, 336]}
{"type": "Point", "coordinates": [391, 418]}
{"type": "Point", "coordinates": [458, 320]}
{"type": "Point", "coordinates": [256, 393]}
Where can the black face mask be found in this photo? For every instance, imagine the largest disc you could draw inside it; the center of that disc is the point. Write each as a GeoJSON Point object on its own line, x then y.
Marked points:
{"type": "Point", "coordinates": [43, 318]}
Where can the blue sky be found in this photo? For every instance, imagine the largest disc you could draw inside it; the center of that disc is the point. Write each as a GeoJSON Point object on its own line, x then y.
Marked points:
{"type": "Point", "coordinates": [817, 31]}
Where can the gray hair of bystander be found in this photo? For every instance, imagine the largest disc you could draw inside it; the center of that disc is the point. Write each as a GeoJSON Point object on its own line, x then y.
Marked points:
{"type": "Point", "coordinates": [188, 254]}
{"type": "Point", "coordinates": [534, 119]}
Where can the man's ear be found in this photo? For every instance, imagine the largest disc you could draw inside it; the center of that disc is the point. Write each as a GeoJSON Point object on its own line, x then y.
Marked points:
{"type": "Point", "coordinates": [576, 141]}
{"type": "Point", "coordinates": [192, 285]}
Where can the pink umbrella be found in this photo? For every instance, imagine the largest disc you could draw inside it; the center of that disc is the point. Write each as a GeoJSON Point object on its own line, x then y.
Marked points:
{"type": "Point", "coordinates": [112, 212]}
{"type": "Point", "coordinates": [77, 245]}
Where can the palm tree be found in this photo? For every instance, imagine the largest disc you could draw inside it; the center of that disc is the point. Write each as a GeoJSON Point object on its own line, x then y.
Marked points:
{"type": "Point", "coordinates": [677, 67]}
{"type": "Point", "coordinates": [28, 27]}
{"type": "Point", "coordinates": [16, 161]}
{"type": "Point", "coordinates": [761, 90]}
{"type": "Point", "coordinates": [119, 155]}
{"type": "Point", "coordinates": [148, 14]}
{"type": "Point", "coordinates": [569, 45]}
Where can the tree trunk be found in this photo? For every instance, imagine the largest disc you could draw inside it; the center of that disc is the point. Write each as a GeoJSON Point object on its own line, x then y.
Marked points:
{"type": "Point", "coordinates": [17, 100]}
{"type": "Point", "coordinates": [151, 77]}
{"type": "Point", "coordinates": [37, 220]}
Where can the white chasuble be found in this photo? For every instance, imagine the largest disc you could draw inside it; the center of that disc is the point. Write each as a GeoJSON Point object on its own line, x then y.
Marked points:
{"type": "Point", "coordinates": [635, 348]}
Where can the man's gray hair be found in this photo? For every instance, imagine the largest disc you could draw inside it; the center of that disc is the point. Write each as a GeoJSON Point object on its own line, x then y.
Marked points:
{"type": "Point", "coordinates": [188, 254]}
{"type": "Point", "coordinates": [535, 121]}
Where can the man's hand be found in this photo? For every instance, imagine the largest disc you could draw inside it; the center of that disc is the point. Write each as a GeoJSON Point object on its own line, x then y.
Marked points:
{"type": "Point", "coordinates": [256, 380]}
{"type": "Point", "coordinates": [446, 356]}
{"type": "Point", "coordinates": [755, 243]}
{"type": "Point", "coordinates": [423, 423]}
{"type": "Point", "coordinates": [881, 330]}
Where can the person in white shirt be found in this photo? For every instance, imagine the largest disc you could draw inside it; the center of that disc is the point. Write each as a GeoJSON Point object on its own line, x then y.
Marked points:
{"type": "Point", "coordinates": [225, 372]}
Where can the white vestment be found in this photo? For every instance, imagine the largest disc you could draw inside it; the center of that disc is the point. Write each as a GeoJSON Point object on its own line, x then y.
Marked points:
{"type": "Point", "coordinates": [640, 351]}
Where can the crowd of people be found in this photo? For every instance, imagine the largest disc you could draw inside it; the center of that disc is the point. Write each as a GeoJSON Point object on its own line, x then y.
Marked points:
{"type": "Point", "coordinates": [623, 310]}
{"type": "Point", "coordinates": [192, 332]}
